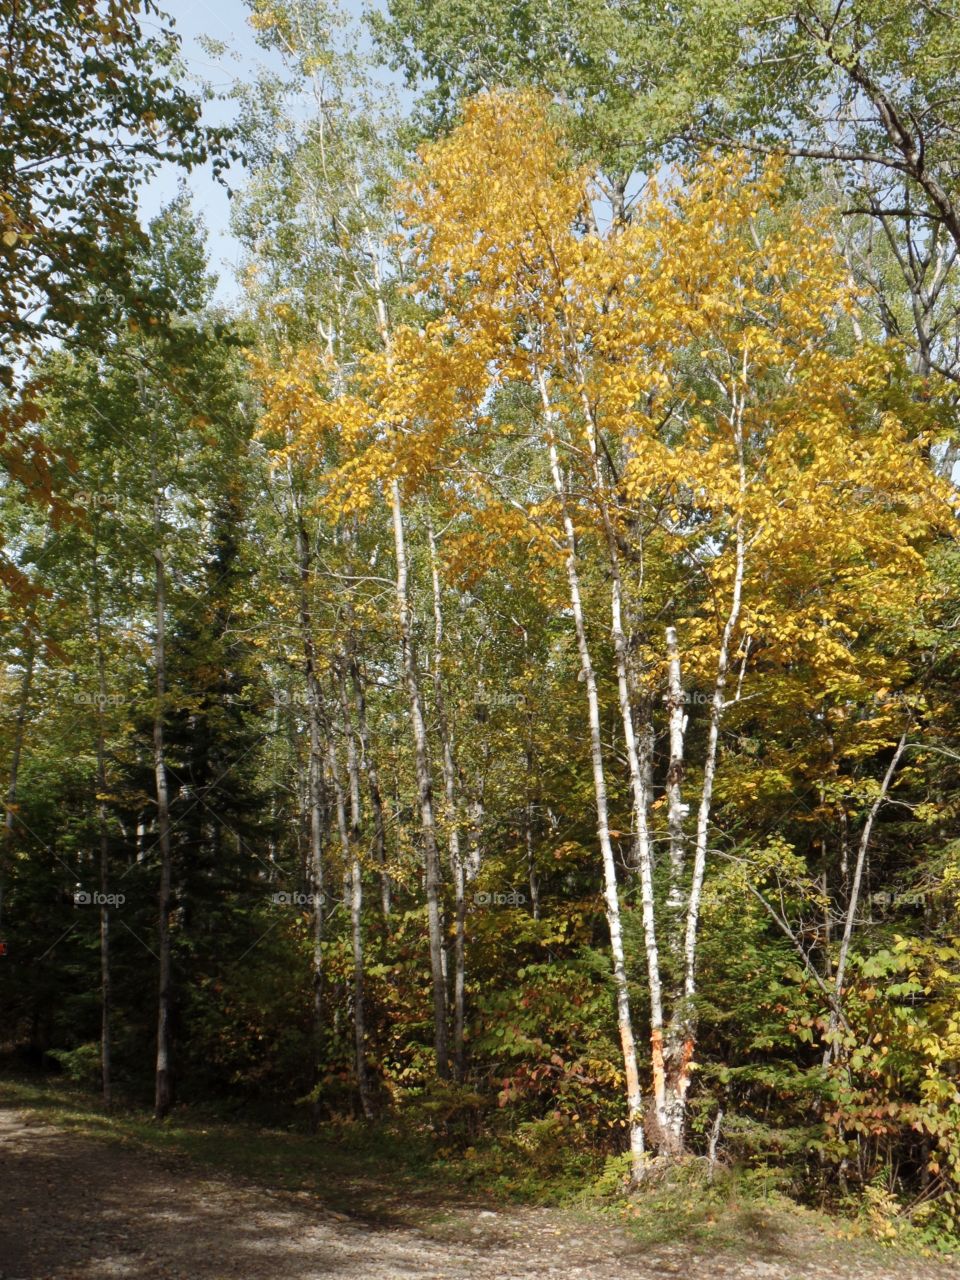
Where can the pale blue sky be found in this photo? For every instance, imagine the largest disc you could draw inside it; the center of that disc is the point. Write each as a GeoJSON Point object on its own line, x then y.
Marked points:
{"type": "Point", "coordinates": [224, 20]}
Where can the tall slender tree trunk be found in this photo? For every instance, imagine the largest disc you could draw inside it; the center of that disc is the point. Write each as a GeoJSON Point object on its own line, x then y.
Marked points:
{"type": "Point", "coordinates": [19, 736]}
{"type": "Point", "coordinates": [854, 902]}
{"type": "Point", "coordinates": [452, 816]}
{"type": "Point", "coordinates": [315, 797]}
{"type": "Point", "coordinates": [533, 880]}
{"type": "Point", "coordinates": [677, 1046]}
{"type": "Point", "coordinates": [677, 722]}
{"type": "Point", "coordinates": [379, 843]}
{"type": "Point", "coordinates": [666, 1056]}
{"type": "Point", "coordinates": [104, 839]}
{"type": "Point", "coordinates": [19, 732]}
{"type": "Point", "coordinates": [668, 1140]}
{"type": "Point", "coordinates": [611, 891]}
{"type": "Point", "coordinates": [353, 888]}
{"type": "Point", "coordinates": [431, 859]}
{"type": "Point", "coordinates": [528, 799]}
{"type": "Point", "coordinates": [164, 1070]}
{"type": "Point", "coordinates": [476, 810]}
{"type": "Point", "coordinates": [424, 788]}
{"type": "Point", "coordinates": [685, 1017]}
{"type": "Point", "coordinates": [352, 860]}
{"type": "Point", "coordinates": [368, 759]}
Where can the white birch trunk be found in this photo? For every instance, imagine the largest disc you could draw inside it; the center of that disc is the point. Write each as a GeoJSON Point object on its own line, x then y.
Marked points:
{"type": "Point", "coordinates": [451, 815]}
{"type": "Point", "coordinates": [611, 892]}
{"type": "Point", "coordinates": [353, 890]}
{"type": "Point", "coordinates": [315, 798]}
{"type": "Point", "coordinates": [425, 790]}
{"type": "Point", "coordinates": [685, 1031]}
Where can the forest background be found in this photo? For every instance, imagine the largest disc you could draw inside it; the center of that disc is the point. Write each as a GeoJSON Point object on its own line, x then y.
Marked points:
{"type": "Point", "coordinates": [498, 674]}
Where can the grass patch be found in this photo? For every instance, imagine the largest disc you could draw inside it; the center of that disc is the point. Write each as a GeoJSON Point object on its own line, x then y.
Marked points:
{"type": "Point", "coordinates": [722, 1210]}
{"type": "Point", "coordinates": [737, 1209]}
{"type": "Point", "coordinates": [369, 1170]}
{"type": "Point", "coordinates": [399, 1169]}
